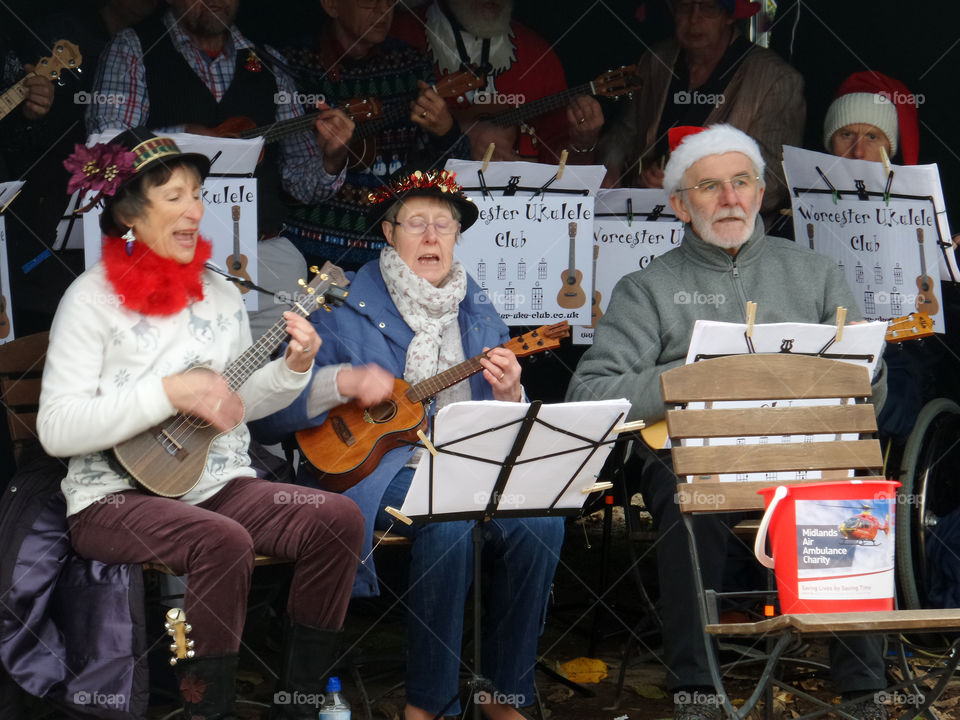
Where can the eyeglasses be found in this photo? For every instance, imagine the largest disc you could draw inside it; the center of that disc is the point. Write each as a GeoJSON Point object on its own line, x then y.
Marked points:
{"type": "Point", "coordinates": [418, 226]}
{"type": "Point", "coordinates": [371, 4]}
{"type": "Point", "coordinates": [706, 8]}
{"type": "Point", "coordinates": [743, 184]}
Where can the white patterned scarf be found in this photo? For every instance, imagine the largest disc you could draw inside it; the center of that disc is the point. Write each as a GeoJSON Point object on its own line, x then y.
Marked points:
{"type": "Point", "coordinates": [430, 311]}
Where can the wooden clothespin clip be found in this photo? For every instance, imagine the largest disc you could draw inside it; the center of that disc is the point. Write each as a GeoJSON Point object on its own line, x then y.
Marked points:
{"type": "Point", "coordinates": [597, 487]}
{"type": "Point", "coordinates": [841, 320]}
{"type": "Point", "coordinates": [487, 155]}
{"type": "Point", "coordinates": [398, 515]}
{"type": "Point", "coordinates": [563, 164]}
{"type": "Point", "coordinates": [886, 164]}
{"type": "Point", "coordinates": [483, 169]}
{"type": "Point", "coordinates": [751, 317]}
{"type": "Point", "coordinates": [629, 427]}
{"type": "Point", "coordinates": [426, 443]}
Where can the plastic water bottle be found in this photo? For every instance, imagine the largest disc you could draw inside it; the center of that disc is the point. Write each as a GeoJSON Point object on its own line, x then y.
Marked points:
{"type": "Point", "coordinates": [335, 705]}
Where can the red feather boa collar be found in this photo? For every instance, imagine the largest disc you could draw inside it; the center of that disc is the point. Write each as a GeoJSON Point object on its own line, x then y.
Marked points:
{"type": "Point", "coordinates": [150, 284]}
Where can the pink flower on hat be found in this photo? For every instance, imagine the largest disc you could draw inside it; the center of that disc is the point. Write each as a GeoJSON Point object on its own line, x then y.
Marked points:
{"type": "Point", "coordinates": [101, 168]}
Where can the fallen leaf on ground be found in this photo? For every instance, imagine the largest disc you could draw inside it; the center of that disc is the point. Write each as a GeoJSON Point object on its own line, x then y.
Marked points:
{"type": "Point", "coordinates": [584, 670]}
{"type": "Point", "coordinates": [651, 692]}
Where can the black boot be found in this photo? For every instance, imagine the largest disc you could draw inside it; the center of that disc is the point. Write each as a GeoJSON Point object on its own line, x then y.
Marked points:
{"type": "Point", "coordinates": [207, 687]}
{"type": "Point", "coordinates": [308, 655]}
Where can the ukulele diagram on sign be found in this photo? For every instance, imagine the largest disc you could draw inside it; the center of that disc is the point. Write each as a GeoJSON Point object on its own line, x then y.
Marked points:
{"type": "Point", "coordinates": [536, 301]}
{"type": "Point", "coordinates": [868, 303]}
{"type": "Point", "coordinates": [898, 275]}
{"type": "Point", "coordinates": [571, 295]}
{"type": "Point", "coordinates": [859, 272]}
{"type": "Point", "coordinates": [542, 269]}
{"type": "Point", "coordinates": [521, 270]}
{"type": "Point", "coordinates": [926, 300]}
{"type": "Point", "coordinates": [481, 272]}
{"type": "Point", "coordinates": [896, 303]}
{"type": "Point", "coordinates": [237, 263]}
{"type": "Point", "coordinates": [877, 273]}
{"type": "Point", "coordinates": [501, 270]}
{"type": "Point", "coordinates": [510, 298]}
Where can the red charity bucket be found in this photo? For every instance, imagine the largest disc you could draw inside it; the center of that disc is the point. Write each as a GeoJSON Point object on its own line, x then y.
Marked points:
{"type": "Point", "coordinates": [832, 543]}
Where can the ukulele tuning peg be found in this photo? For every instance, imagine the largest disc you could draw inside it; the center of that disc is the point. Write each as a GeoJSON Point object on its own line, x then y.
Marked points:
{"type": "Point", "coordinates": [327, 308]}
{"type": "Point", "coordinates": [173, 661]}
{"type": "Point", "coordinates": [301, 282]}
{"type": "Point", "coordinates": [173, 647]}
{"type": "Point", "coordinates": [187, 627]}
{"type": "Point", "coordinates": [311, 291]}
{"type": "Point", "coordinates": [191, 654]}
{"type": "Point", "coordinates": [190, 644]}
{"type": "Point", "coordinates": [314, 269]}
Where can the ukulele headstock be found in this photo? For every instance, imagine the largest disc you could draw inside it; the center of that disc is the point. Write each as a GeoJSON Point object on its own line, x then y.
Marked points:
{"type": "Point", "coordinates": [909, 327]}
{"type": "Point", "coordinates": [326, 288]}
{"type": "Point", "coordinates": [363, 109]}
{"type": "Point", "coordinates": [545, 337]}
{"type": "Point", "coordinates": [459, 83]}
{"type": "Point", "coordinates": [618, 83]}
{"type": "Point", "coordinates": [178, 628]}
{"type": "Point", "coordinates": [63, 54]}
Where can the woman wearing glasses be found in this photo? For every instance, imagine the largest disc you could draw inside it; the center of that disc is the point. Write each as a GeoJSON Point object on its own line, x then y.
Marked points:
{"type": "Point", "coordinates": [412, 314]}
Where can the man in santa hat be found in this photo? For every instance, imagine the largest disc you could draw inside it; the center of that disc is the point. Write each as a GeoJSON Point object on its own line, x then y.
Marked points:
{"type": "Point", "coordinates": [872, 111]}
{"type": "Point", "coordinates": [715, 178]}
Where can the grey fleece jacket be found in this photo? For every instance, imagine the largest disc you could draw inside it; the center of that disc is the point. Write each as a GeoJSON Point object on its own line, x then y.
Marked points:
{"type": "Point", "coordinates": [648, 324]}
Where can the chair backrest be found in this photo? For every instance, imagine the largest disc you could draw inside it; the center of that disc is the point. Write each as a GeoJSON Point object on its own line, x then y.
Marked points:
{"type": "Point", "coordinates": [765, 377]}
{"type": "Point", "coordinates": [21, 366]}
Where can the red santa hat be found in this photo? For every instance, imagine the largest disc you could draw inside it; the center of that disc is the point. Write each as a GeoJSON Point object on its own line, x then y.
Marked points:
{"type": "Point", "coordinates": [875, 99]}
{"type": "Point", "coordinates": [690, 144]}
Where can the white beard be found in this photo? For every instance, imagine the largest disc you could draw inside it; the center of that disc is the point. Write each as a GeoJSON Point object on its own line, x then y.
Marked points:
{"type": "Point", "coordinates": [480, 25]}
{"type": "Point", "coordinates": [443, 46]}
{"type": "Point", "coordinates": [703, 226]}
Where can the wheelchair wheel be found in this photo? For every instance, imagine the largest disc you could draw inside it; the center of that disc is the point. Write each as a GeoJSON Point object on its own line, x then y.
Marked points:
{"type": "Point", "coordinates": [930, 478]}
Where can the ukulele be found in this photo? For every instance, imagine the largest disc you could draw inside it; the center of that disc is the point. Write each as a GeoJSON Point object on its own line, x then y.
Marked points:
{"type": "Point", "coordinates": [63, 54]}
{"type": "Point", "coordinates": [595, 312]}
{"type": "Point", "coordinates": [909, 327]}
{"type": "Point", "coordinates": [614, 84]}
{"type": "Point", "coordinates": [237, 262]}
{"type": "Point", "coordinates": [170, 458]}
{"type": "Point", "coordinates": [367, 113]}
{"type": "Point", "coordinates": [926, 300]}
{"type": "Point", "coordinates": [571, 295]}
{"type": "Point", "coordinates": [352, 440]}
{"type": "Point", "coordinates": [178, 628]}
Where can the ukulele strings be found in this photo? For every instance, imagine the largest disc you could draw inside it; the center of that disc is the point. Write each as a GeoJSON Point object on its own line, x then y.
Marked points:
{"type": "Point", "coordinates": [241, 368]}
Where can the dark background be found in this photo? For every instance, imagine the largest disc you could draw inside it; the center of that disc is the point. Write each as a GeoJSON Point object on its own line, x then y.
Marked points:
{"type": "Point", "coordinates": [917, 43]}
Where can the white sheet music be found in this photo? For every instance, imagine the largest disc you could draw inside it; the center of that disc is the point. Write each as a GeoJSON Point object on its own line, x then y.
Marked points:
{"type": "Point", "coordinates": [463, 484]}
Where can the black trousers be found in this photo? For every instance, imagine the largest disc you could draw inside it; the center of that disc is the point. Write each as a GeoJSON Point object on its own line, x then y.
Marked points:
{"type": "Point", "coordinates": [856, 662]}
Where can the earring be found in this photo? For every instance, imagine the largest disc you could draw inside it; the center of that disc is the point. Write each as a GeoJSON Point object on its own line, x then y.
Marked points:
{"type": "Point", "coordinates": [130, 238]}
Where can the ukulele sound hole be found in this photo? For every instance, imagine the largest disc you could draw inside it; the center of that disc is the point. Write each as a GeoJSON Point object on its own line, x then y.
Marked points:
{"type": "Point", "coordinates": [384, 412]}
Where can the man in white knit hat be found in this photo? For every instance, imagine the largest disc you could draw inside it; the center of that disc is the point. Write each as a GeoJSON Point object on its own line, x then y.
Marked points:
{"type": "Point", "coordinates": [715, 181]}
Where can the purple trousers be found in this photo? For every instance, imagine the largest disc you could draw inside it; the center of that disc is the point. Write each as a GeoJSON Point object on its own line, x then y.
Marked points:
{"type": "Point", "coordinates": [214, 543]}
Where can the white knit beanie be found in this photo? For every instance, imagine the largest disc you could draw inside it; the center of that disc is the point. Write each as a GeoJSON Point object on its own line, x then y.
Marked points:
{"type": "Point", "coordinates": [715, 140]}
{"type": "Point", "coordinates": [861, 107]}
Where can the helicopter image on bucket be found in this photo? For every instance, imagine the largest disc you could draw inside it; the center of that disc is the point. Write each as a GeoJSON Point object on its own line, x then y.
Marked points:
{"type": "Point", "coordinates": [862, 529]}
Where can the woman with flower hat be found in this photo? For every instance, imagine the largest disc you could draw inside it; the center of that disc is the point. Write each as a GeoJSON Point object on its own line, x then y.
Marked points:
{"type": "Point", "coordinates": [124, 335]}
{"type": "Point", "coordinates": [411, 314]}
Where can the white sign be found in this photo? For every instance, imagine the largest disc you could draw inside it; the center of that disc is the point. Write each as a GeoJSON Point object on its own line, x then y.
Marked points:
{"type": "Point", "coordinates": [888, 252]}
{"type": "Point", "coordinates": [6, 312]}
{"type": "Point", "coordinates": [630, 228]}
{"type": "Point", "coordinates": [807, 170]}
{"type": "Point", "coordinates": [532, 257]}
{"type": "Point", "coordinates": [229, 223]}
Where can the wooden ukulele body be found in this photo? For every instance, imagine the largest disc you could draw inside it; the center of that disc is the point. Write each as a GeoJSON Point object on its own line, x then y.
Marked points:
{"type": "Point", "coordinates": [360, 437]}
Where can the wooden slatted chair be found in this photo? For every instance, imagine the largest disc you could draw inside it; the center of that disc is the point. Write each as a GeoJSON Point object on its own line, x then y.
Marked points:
{"type": "Point", "coordinates": [768, 377]}
{"type": "Point", "coordinates": [21, 365]}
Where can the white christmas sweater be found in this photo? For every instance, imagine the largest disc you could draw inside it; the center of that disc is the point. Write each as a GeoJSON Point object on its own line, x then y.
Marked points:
{"type": "Point", "coordinates": [102, 382]}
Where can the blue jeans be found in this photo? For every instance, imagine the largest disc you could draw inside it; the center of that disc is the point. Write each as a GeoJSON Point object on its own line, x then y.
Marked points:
{"type": "Point", "coordinates": [519, 559]}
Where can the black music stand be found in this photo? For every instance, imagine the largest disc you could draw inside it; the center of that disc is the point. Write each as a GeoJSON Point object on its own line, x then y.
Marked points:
{"type": "Point", "coordinates": [512, 436]}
